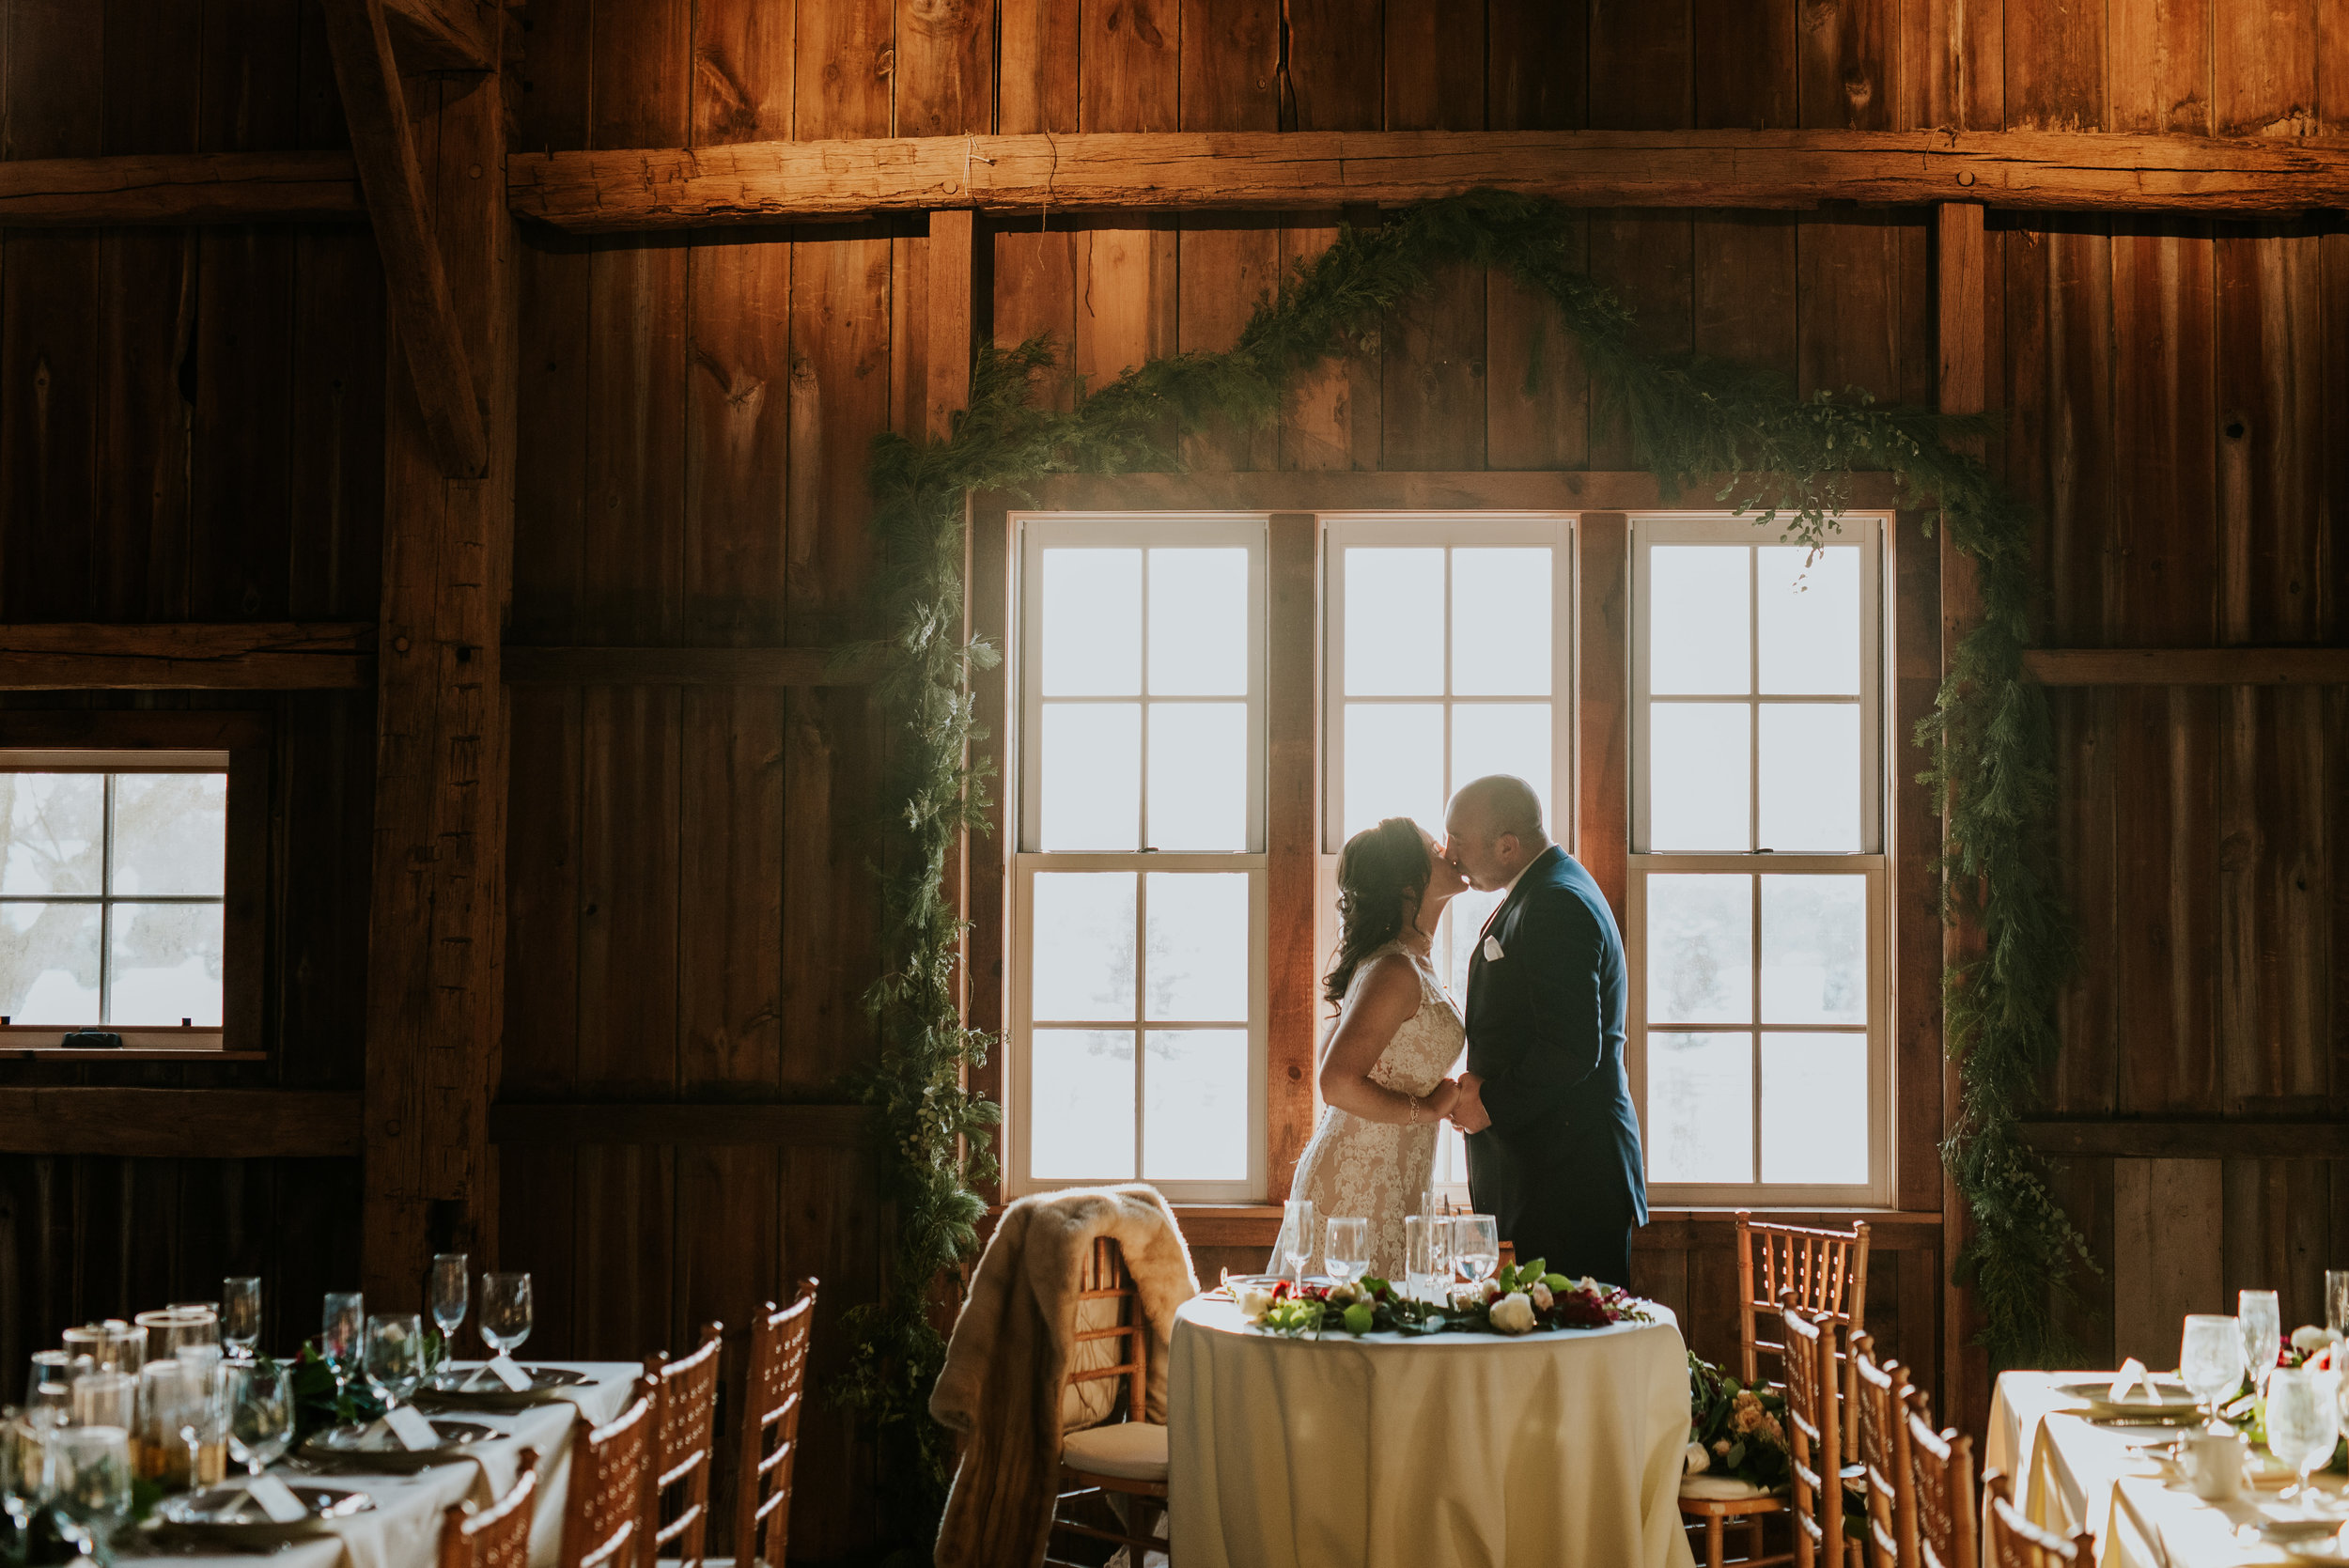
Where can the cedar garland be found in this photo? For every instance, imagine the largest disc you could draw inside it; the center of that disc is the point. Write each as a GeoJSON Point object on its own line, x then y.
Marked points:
{"type": "Point", "coordinates": [1689, 417]}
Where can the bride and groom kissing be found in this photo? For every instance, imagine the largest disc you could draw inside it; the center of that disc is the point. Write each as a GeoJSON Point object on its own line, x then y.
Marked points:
{"type": "Point", "coordinates": [1553, 1145]}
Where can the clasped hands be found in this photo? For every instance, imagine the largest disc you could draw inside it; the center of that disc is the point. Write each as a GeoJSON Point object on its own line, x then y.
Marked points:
{"type": "Point", "coordinates": [1461, 1102]}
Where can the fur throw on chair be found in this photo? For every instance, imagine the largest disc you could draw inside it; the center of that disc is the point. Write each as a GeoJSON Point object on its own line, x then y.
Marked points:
{"type": "Point", "coordinates": [1002, 1386]}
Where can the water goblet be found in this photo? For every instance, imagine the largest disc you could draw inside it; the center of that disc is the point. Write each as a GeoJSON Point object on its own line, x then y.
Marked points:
{"type": "Point", "coordinates": [89, 1478]}
{"type": "Point", "coordinates": [260, 1404]}
{"type": "Point", "coordinates": [1426, 1257]}
{"type": "Point", "coordinates": [393, 1358]}
{"type": "Point", "coordinates": [1297, 1235]}
{"type": "Point", "coordinates": [241, 1316]}
{"type": "Point", "coordinates": [1346, 1252]}
{"type": "Point", "coordinates": [1476, 1246]}
{"type": "Point", "coordinates": [2261, 1318]}
{"type": "Point", "coordinates": [2337, 1301]}
{"type": "Point", "coordinates": [2210, 1359]}
{"type": "Point", "coordinates": [49, 1389]}
{"type": "Point", "coordinates": [504, 1311]}
{"type": "Point", "coordinates": [448, 1298]}
{"type": "Point", "coordinates": [341, 1337]}
{"type": "Point", "coordinates": [2302, 1422]}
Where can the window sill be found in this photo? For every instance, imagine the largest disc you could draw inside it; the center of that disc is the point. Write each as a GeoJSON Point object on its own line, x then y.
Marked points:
{"type": "Point", "coordinates": [127, 1053]}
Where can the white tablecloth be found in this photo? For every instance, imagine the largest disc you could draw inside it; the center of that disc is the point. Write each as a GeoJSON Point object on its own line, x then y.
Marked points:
{"type": "Point", "coordinates": [1561, 1449]}
{"type": "Point", "coordinates": [403, 1528]}
{"type": "Point", "coordinates": [2071, 1474]}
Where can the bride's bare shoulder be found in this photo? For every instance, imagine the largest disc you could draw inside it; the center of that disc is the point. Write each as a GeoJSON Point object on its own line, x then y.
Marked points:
{"type": "Point", "coordinates": [1388, 978]}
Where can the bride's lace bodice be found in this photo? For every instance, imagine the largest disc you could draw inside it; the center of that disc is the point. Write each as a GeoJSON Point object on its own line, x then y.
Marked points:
{"type": "Point", "coordinates": [1378, 1170]}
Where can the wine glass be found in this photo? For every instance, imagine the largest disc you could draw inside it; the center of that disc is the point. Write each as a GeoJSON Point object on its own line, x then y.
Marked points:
{"type": "Point", "coordinates": [2302, 1422]}
{"type": "Point", "coordinates": [89, 1478]}
{"type": "Point", "coordinates": [1426, 1257]}
{"type": "Point", "coordinates": [448, 1298]}
{"type": "Point", "coordinates": [1296, 1236]}
{"type": "Point", "coordinates": [241, 1316]}
{"type": "Point", "coordinates": [1346, 1252]}
{"type": "Point", "coordinates": [260, 1401]}
{"type": "Point", "coordinates": [49, 1390]}
{"type": "Point", "coordinates": [504, 1311]}
{"type": "Point", "coordinates": [22, 1468]}
{"type": "Point", "coordinates": [2337, 1301]}
{"type": "Point", "coordinates": [341, 1337]}
{"type": "Point", "coordinates": [1476, 1246]}
{"type": "Point", "coordinates": [2210, 1359]}
{"type": "Point", "coordinates": [394, 1356]}
{"type": "Point", "coordinates": [2263, 1322]}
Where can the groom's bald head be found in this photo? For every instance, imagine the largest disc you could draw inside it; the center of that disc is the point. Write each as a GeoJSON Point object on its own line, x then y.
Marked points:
{"type": "Point", "coordinates": [1493, 829]}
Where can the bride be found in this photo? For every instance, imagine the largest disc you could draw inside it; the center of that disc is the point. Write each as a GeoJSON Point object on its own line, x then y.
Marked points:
{"type": "Point", "coordinates": [1383, 1069]}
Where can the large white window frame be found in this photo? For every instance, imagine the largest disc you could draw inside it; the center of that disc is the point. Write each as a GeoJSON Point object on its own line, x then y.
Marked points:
{"type": "Point", "coordinates": [1034, 534]}
{"type": "Point", "coordinates": [1866, 531]}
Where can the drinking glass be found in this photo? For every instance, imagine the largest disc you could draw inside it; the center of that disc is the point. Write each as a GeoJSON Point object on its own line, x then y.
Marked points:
{"type": "Point", "coordinates": [448, 1297]}
{"type": "Point", "coordinates": [260, 1403]}
{"type": "Point", "coordinates": [1426, 1257]}
{"type": "Point", "coordinates": [168, 1329]}
{"type": "Point", "coordinates": [504, 1311]}
{"type": "Point", "coordinates": [102, 1398]}
{"type": "Point", "coordinates": [49, 1387]}
{"type": "Point", "coordinates": [2302, 1422]}
{"type": "Point", "coordinates": [241, 1316]}
{"type": "Point", "coordinates": [395, 1356]}
{"type": "Point", "coordinates": [89, 1478]}
{"type": "Point", "coordinates": [1298, 1234]}
{"type": "Point", "coordinates": [1476, 1246]}
{"type": "Point", "coordinates": [2263, 1322]}
{"type": "Point", "coordinates": [112, 1345]}
{"type": "Point", "coordinates": [1346, 1255]}
{"type": "Point", "coordinates": [340, 1335]}
{"type": "Point", "coordinates": [24, 1448]}
{"type": "Point", "coordinates": [2337, 1301]}
{"type": "Point", "coordinates": [2210, 1359]}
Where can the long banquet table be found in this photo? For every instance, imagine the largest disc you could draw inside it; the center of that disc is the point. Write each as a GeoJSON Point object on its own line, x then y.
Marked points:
{"type": "Point", "coordinates": [2072, 1473]}
{"type": "Point", "coordinates": [1561, 1450]}
{"type": "Point", "coordinates": [402, 1529]}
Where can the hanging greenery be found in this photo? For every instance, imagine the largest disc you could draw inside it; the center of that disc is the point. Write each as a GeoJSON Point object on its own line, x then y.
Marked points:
{"type": "Point", "coordinates": [1691, 419]}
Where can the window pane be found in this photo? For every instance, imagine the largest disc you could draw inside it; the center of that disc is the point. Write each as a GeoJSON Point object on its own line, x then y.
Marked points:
{"type": "Point", "coordinates": [1083, 942]}
{"type": "Point", "coordinates": [1700, 1108]}
{"type": "Point", "coordinates": [166, 964]}
{"type": "Point", "coordinates": [1092, 775]}
{"type": "Point", "coordinates": [1393, 764]}
{"type": "Point", "coordinates": [1393, 623]}
{"type": "Point", "coordinates": [1199, 776]}
{"type": "Point", "coordinates": [1699, 639]}
{"type": "Point", "coordinates": [1198, 623]}
{"type": "Point", "coordinates": [1815, 1108]}
{"type": "Point", "coordinates": [1501, 737]}
{"type": "Point", "coordinates": [1091, 623]}
{"type": "Point", "coordinates": [1194, 1106]}
{"type": "Point", "coordinates": [1810, 776]}
{"type": "Point", "coordinates": [1696, 776]}
{"type": "Point", "coordinates": [1810, 619]}
{"type": "Point", "coordinates": [1700, 949]}
{"type": "Point", "coordinates": [171, 833]}
{"type": "Point", "coordinates": [1501, 643]}
{"type": "Point", "coordinates": [1198, 945]}
{"type": "Point", "coordinates": [1465, 917]}
{"type": "Point", "coordinates": [1815, 950]}
{"type": "Point", "coordinates": [56, 831]}
{"type": "Point", "coordinates": [49, 963]}
{"type": "Point", "coordinates": [1080, 1098]}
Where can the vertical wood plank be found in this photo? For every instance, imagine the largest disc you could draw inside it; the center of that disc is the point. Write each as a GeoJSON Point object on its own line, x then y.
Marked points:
{"type": "Point", "coordinates": [1037, 74]}
{"type": "Point", "coordinates": [944, 57]}
{"type": "Point", "coordinates": [743, 79]}
{"type": "Point", "coordinates": [1743, 62]}
{"type": "Point", "coordinates": [629, 889]}
{"type": "Point", "coordinates": [1641, 65]}
{"type": "Point", "coordinates": [1292, 789]}
{"type": "Point", "coordinates": [1916, 841]}
{"type": "Point", "coordinates": [1602, 823]}
{"type": "Point", "coordinates": [2054, 67]}
{"type": "Point", "coordinates": [1336, 55]}
{"type": "Point", "coordinates": [1231, 64]}
{"type": "Point", "coordinates": [992, 557]}
{"type": "Point", "coordinates": [1536, 391]}
{"type": "Point", "coordinates": [843, 63]}
{"type": "Point", "coordinates": [1537, 77]}
{"type": "Point", "coordinates": [2159, 64]}
{"type": "Point", "coordinates": [2263, 67]}
{"type": "Point", "coordinates": [736, 438]}
{"type": "Point", "coordinates": [1435, 76]}
{"type": "Point", "coordinates": [1648, 257]}
{"type": "Point", "coordinates": [1132, 71]}
{"type": "Point", "coordinates": [1848, 65]}
{"type": "Point", "coordinates": [729, 915]}
{"type": "Point", "coordinates": [2169, 1251]}
{"type": "Point", "coordinates": [1225, 265]}
{"type": "Point", "coordinates": [1331, 416]}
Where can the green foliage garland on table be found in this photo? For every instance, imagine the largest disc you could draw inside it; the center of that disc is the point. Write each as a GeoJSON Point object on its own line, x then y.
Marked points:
{"type": "Point", "coordinates": [1691, 419]}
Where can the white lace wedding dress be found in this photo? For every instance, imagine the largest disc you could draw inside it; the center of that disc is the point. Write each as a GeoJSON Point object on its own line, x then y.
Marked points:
{"type": "Point", "coordinates": [1378, 1169]}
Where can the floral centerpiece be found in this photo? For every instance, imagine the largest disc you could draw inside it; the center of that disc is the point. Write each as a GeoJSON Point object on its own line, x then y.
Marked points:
{"type": "Point", "coordinates": [1736, 1431]}
{"type": "Point", "coordinates": [1522, 1299]}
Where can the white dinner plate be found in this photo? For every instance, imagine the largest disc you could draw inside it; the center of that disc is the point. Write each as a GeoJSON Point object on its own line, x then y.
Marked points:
{"type": "Point", "coordinates": [2159, 1397]}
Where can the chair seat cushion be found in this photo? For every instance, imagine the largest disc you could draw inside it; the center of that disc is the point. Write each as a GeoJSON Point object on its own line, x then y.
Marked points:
{"type": "Point", "coordinates": [1721, 1488]}
{"type": "Point", "coordinates": [1123, 1451]}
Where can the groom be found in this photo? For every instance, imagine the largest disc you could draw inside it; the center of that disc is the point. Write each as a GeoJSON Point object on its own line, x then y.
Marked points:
{"type": "Point", "coordinates": [1553, 1147]}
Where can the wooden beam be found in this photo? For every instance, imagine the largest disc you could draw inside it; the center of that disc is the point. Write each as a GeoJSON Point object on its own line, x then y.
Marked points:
{"type": "Point", "coordinates": [68, 656]}
{"type": "Point", "coordinates": [1292, 829]}
{"type": "Point", "coordinates": [2303, 1138]}
{"type": "Point", "coordinates": [829, 1126]}
{"type": "Point", "coordinates": [180, 1123]}
{"type": "Point", "coordinates": [437, 35]}
{"type": "Point", "coordinates": [180, 187]}
{"type": "Point", "coordinates": [769, 182]}
{"type": "Point", "coordinates": [415, 277]}
{"type": "Point", "coordinates": [1346, 490]}
{"type": "Point", "coordinates": [672, 666]}
{"type": "Point", "coordinates": [2188, 666]}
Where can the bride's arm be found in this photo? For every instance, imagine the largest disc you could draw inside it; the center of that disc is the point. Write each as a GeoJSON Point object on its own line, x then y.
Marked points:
{"type": "Point", "coordinates": [1387, 1001]}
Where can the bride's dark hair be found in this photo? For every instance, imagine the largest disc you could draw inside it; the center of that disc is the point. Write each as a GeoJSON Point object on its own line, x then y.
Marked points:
{"type": "Point", "coordinates": [1382, 873]}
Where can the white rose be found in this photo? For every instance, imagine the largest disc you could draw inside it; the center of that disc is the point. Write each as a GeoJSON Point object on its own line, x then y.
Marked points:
{"type": "Point", "coordinates": [1254, 1301]}
{"type": "Point", "coordinates": [1695, 1461]}
{"type": "Point", "coordinates": [1541, 1295]}
{"type": "Point", "coordinates": [1512, 1313]}
{"type": "Point", "coordinates": [2308, 1339]}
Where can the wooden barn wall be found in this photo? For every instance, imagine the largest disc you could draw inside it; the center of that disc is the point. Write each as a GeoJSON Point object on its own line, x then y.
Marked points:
{"type": "Point", "coordinates": [192, 429]}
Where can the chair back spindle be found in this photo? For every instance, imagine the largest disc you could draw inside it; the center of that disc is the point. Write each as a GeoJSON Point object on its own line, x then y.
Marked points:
{"type": "Point", "coordinates": [1828, 1272]}
{"type": "Point", "coordinates": [770, 1429]}
{"type": "Point", "coordinates": [604, 1518]}
{"type": "Point", "coordinates": [1103, 1277]}
{"type": "Point", "coordinates": [497, 1536]}
{"type": "Point", "coordinates": [1941, 1473]}
{"type": "Point", "coordinates": [1885, 1400]}
{"type": "Point", "coordinates": [2015, 1542]}
{"type": "Point", "coordinates": [1814, 1419]}
{"type": "Point", "coordinates": [684, 1414]}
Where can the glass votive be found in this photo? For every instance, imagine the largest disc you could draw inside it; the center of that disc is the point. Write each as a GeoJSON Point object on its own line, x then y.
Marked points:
{"type": "Point", "coordinates": [48, 1389]}
{"type": "Point", "coordinates": [112, 1346]}
{"type": "Point", "coordinates": [170, 1328]}
{"type": "Point", "coordinates": [102, 1398]}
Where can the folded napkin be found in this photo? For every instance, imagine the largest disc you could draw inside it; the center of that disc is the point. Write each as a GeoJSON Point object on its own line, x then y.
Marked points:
{"type": "Point", "coordinates": [2132, 1373]}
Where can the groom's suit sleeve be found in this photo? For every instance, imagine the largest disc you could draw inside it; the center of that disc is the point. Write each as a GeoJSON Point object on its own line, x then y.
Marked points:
{"type": "Point", "coordinates": [1554, 1012]}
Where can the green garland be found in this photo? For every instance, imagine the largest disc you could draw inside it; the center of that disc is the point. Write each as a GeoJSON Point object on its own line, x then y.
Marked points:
{"type": "Point", "coordinates": [1792, 458]}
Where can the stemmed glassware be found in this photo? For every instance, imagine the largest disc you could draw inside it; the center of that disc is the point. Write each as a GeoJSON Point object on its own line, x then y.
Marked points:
{"type": "Point", "coordinates": [89, 1477]}
{"type": "Point", "coordinates": [394, 1356]}
{"type": "Point", "coordinates": [260, 1409]}
{"type": "Point", "coordinates": [1347, 1254]}
{"type": "Point", "coordinates": [2302, 1422]}
{"type": "Point", "coordinates": [2210, 1359]}
{"type": "Point", "coordinates": [448, 1298]}
{"type": "Point", "coordinates": [1296, 1236]}
{"type": "Point", "coordinates": [2263, 1333]}
{"type": "Point", "coordinates": [2337, 1301]}
{"type": "Point", "coordinates": [1427, 1258]}
{"type": "Point", "coordinates": [1476, 1246]}
{"type": "Point", "coordinates": [341, 1335]}
{"type": "Point", "coordinates": [241, 1316]}
{"type": "Point", "coordinates": [504, 1311]}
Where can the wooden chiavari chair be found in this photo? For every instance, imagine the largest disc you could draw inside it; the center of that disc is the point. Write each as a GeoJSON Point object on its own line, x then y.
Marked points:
{"type": "Point", "coordinates": [676, 1478]}
{"type": "Point", "coordinates": [1885, 1400]}
{"type": "Point", "coordinates": [604, 1518]}
{"type": "Point", "coordinates": [497, 1536]}
{"type": "Point", "coordinates": [1124, 1457]}
{"type": "Point", "coordinates": [770, 1429]}
{"type": "Point", "coordinates": [1941, 1473]}
{"type": "Point", "coordinates": [1827, 1271]}
{"type": "Point", "coordinates": [1814, 1432]}
{"type": "Point", "coordinates": [2015, 1542]}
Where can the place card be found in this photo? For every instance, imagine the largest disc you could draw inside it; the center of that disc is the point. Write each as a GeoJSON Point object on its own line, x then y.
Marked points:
{"type": "Point", "coordinates": [277, 1500]}
{"type": "Point", "coordinates": [409, 1425]}
{"type": "Point", "coordinates": [510, 1372]}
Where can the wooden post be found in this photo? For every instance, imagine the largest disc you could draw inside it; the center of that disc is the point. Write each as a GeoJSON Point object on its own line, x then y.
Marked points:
{"type": "Point", "coordinates": [435, 992]}
{"type": "Point", "coordinates": [1964, 348]}
{"type": "Point", "coordinates": [1291, 854]}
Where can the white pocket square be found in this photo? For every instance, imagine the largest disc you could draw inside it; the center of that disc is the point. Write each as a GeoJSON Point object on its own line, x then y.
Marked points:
{"type": "Point", "coordinates": [1492, 949]}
